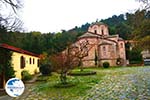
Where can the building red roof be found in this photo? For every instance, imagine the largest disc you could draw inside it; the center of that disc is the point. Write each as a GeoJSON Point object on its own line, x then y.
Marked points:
{"type": "Point", "coordinates": [19, 50]}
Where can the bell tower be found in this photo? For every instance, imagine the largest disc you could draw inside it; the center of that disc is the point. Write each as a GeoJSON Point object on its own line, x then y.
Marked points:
{"type": "Point", "coordinates": [99, 28]}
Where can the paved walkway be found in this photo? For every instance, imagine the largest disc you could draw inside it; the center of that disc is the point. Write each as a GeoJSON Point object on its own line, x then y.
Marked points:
{"type": "Point", "coordinates": [120, 84]}
{"type": "Point", "coordinates": [27, 91]}
{"type": "Point", "coordinates": [133, 84]}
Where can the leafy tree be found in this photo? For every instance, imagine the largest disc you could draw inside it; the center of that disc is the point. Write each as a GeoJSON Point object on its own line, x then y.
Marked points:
{"type": "Point", "coordinates": [145, 43]}
{"type": "Point", "coordinates": [6, 69]}
{"type": "Point", "coordinates": [135, 56]}
{"type": "Point", "coordinates": [127, 46]}
{"type": "Point", "coordinates": [118, 25]}
{"type": "Point", "coordinates": [140, 25]}
{"type": "Point", "coordinates": [46, 69]}
{"type": "Point", "coordinates": [123, 30]}
{"type": "Point", "coordinates": [45, 65]}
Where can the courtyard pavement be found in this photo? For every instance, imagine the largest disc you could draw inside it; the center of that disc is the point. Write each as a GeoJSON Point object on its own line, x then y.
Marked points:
{"type": "Point", "coordinates": [133, 84]}
{"type": "Point", "coordinates": [121, 84]}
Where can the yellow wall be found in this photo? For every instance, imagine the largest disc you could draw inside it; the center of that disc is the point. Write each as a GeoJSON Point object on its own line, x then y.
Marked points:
{"type": "Point", "coordinates": [30, 67]}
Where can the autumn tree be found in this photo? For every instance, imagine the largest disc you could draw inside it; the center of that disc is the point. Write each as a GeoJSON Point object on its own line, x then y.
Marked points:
{"type": "Point", "coordinates": [63, 62]}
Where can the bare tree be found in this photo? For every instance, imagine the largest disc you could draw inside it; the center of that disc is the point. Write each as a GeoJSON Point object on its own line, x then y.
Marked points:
{"type": "Point", "coordinates": [14, 4]}
{"type": "Point", "coordinates": [64, 61]}
{"type": "Point", "coordinates": [70, 58]}
{"type": "Point", "coordinates": [10, 20]}
{"type": "Point", "coordinates": [146, 4]}
{"type": "Point", "coordinates": [15, 25]}
{"type": "Point", "coordinates": [81, 50]}
{"type": "Point", "coordinates": [11, 23]}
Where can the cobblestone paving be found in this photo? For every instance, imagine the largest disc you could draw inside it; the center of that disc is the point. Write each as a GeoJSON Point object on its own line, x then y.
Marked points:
{"type": "Point", "coordinates": [117, 84]}
{"type": "Point", "coordinates": [133, 84]}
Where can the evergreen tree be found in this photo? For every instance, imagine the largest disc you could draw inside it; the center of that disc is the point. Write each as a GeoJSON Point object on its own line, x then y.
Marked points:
{"type": "Point", "coordinates": [6, 68]}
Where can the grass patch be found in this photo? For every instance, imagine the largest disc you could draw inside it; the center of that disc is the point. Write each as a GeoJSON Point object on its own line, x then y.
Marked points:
{"type": "Point", "coordinates": [66, 85]}
{"type": "Point", "coordinates": [81, 85]}
{"type": "Point", "coordinates": [42, 78]}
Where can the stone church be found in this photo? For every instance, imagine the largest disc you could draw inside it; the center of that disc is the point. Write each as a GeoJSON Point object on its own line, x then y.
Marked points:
{"type": "Point", "coordinates": [102, 46]}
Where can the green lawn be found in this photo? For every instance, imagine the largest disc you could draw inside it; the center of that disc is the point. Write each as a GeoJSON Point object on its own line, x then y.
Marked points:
{"type": "Point", "coordinates": [86, 86]}
{"type": "Point", "coordinates": [83, 84]}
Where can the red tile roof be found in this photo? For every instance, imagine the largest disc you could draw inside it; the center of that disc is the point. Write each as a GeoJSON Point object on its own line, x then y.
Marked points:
{"type": "Point", "coordinates": [15, 49]}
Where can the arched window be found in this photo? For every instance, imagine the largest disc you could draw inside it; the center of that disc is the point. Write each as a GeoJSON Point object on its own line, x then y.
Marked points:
{"type": "Point", "coordinates": [102, 32]}
{"type": "Point", "coordinates": [33, 60]}
{"type": "Point", "coordinates": [104, 50]}
{"type": "Point", "coordinates": [121, 45]}
{"type": "Point", "coordinates": [30, 60]}
{"type": "Point", "coordinates": [22, 62]}
{"type": "Point", "coordinates": [95, 31]}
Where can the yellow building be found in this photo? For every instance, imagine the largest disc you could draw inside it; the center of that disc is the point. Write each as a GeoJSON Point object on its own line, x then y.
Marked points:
{"type": "Point", "coordinates": [21, 60]}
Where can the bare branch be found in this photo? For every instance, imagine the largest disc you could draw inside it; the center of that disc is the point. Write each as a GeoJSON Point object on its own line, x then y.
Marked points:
{"type": "Point", "coordinates": [15, 4]}
{"type": "Point", "coordinates": [10, 20]}
{"type": "Point", "coordinates": [146, 4]}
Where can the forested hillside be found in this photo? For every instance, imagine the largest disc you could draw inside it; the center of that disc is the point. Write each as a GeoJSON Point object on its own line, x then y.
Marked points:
{"type": "Point", "coordinates": [129, 26]}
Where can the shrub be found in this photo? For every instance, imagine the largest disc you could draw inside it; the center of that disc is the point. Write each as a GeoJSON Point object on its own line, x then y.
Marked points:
{"type": "Point", "coordinates": [81, 73]}
{"type": "Point", "coordinates": [26, 75]}
{"type": "Point", "coordinates": [45, 69]}
{"type": "Point", "coordinates": [135, 56]}
{"type": "Point", "coordinates": [106, 64]}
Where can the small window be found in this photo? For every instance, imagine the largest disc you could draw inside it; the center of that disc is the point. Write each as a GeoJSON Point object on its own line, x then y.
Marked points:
{"type": "Point", "coordinates": [102, 32]}
{"type": "Point", "coordinates": [121, 45]}
{"type": "Point", "coordinates": [104, 48]}
{"type": "Point", "coordinates": [30, 61]}
{"type": "Point", "coordinates": [95, 31]}
{"type": "Point", "coordinates": [104, 51]}
{"type": "Point", "coordinates": [22, 62]}
{"type": "Point", "coordinates": [33, 60]}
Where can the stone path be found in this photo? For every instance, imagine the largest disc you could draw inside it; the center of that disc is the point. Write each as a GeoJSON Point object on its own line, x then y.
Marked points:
{"type": "Point", "coordinates": [132, 86]}
{"type": "Point", "coordinates": [120, 84]}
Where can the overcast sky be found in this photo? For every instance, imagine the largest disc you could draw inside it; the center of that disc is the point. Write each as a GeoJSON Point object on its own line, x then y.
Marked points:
{"type": "Point", "coordinates": [55, 15]}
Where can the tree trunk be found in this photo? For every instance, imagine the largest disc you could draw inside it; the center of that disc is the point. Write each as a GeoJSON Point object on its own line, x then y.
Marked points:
{"type": "Point", "coordinates": [2, 80]}
{"type": "Point", "coordinates": [63, 78]}
{"type": "Point", "coordinates": [81, 65]}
